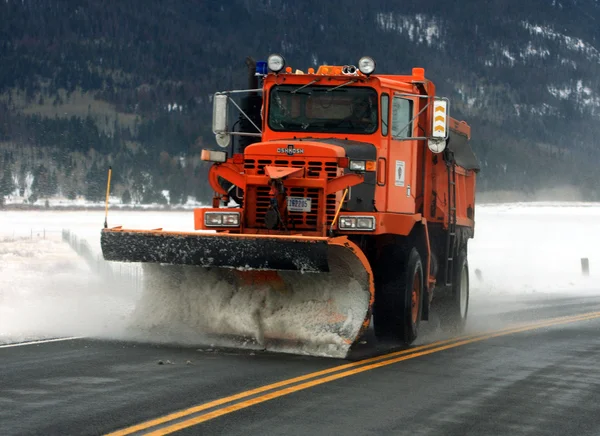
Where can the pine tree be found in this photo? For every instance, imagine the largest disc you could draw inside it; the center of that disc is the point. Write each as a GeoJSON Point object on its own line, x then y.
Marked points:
{"type": "Point", "coordinates": [126, 198]}
{"type": "Point", "coordinates": [7, 185]}
{"type": "Point", "coordinates": [177, 185]}
{"type": "Point", "coordinates": [94, 183]}
{"type": "Point", "coordinates": [39, 186]}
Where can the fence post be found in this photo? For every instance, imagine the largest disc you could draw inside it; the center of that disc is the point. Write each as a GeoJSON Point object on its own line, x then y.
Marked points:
{"type": "Point", "coordinates": [585, 266]}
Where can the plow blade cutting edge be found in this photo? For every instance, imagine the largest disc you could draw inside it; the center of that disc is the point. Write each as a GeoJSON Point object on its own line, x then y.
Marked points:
{"type": "Point", "coordinates": [308, 295]}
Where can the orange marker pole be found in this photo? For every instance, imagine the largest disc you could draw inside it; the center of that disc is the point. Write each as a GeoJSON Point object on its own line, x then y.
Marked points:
{"type": "Point", "coordinates": [338, 212]}
{"type": "Point", "coordinates": [107, 193]}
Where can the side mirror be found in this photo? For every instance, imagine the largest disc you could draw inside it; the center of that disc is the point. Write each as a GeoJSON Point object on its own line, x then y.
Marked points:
{"type": "Point", "coordinates": [439, 125]}
{"type": "Point", "coordinates": [220, 119]}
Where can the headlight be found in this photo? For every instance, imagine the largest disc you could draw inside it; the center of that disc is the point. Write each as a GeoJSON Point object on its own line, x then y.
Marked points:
{"type": "Point", "coordinates": [222, 219]}
{"type": "Point", "coordinates": [276, 63]}
{"type": "Point", "coordinates": [357, 165]}
{"type": "Point", "coordinates": [366, 65]}
{"type": "Point", "coordinates": [361, 223]}
{"type": "Point", "coordinates": [362, 165]}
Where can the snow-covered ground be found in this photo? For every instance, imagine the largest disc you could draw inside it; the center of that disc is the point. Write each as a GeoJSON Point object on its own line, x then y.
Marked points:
{"type": "Point", "coordinates": [47, 290]}
{"type": "Point", "coordinates": [88, 224]}
{"type": "Point", "coordinates": [82, 202]}
{"type": "Point", "coordinates": [526, 248]}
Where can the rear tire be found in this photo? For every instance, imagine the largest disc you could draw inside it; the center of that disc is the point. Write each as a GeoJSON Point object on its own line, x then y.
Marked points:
{"type": "Point", "coordinates": [399, 295]}
{"type": "Point", "coordinates": [454, 309]}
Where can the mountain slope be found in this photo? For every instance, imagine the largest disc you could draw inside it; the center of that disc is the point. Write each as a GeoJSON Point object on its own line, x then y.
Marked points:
{"type": "Point", "coordinates": [525, 75]}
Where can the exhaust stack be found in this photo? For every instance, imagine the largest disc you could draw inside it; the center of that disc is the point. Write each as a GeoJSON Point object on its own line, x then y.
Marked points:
{"type": "Point", "coordinates": [251, 105]}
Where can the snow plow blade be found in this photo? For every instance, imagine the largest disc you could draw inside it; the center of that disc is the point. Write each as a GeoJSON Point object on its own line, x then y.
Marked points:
{"type": "Point", "coordinates": [296, 294]}
{"type": "Point", "coordinates": [216, 250]}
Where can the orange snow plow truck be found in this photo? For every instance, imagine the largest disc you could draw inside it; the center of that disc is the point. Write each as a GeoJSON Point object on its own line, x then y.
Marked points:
{"type": "Point", "coordinates": [342, 198]}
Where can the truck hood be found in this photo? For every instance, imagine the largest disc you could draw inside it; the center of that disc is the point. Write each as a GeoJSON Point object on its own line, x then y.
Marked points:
{"type": "Point", "coordinates": [313, 147]}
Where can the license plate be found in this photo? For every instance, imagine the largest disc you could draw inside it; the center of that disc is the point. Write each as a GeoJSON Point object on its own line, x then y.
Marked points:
{"type": "Point", "coordinates": [298, 204]}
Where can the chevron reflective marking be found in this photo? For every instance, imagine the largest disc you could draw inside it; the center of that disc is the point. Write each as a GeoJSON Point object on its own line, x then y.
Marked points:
{"type": "Point", "coordinates": [440, 121]}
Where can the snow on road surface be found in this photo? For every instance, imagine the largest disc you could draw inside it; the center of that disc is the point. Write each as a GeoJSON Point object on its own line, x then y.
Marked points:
{"type": "Point", "coordinates": [47, 290]}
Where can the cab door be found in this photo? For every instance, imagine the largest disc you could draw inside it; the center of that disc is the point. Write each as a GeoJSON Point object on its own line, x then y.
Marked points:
{"type": "Point", "coordinates": [402, 168]}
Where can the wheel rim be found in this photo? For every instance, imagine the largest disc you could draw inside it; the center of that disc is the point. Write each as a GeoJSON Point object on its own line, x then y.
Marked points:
{"type": "Point", "coordinates": [415, 297]}
{"type": "Point", "coordinates": [464, 291]}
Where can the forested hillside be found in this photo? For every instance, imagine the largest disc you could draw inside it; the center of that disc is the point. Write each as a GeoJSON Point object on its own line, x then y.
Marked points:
{"type": "Point", "coordinates": [86, 84]}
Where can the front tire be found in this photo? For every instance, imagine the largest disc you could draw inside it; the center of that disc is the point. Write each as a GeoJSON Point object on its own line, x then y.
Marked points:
{"type": "Point", "coordinates": [399, 295]}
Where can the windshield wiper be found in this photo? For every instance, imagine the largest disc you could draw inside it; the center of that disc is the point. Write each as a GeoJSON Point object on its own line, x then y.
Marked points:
{"type": "Point", "coordinates": [343, 84]}
{"type": "Point", "coordinates": [304, 86]}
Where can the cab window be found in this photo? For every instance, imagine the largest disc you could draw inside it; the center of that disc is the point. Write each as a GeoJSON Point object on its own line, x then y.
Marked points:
{"type": "Point", "coordinates": [323, 109]}
{"type": "Point", "coordinates": [402, 114]}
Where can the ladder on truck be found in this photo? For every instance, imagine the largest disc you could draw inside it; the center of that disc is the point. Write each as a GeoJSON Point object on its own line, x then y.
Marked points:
{"type": "Point", "coordinates": [451, 237]}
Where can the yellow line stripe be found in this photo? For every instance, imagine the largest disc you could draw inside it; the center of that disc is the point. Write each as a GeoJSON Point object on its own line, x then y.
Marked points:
{"type": "Point", "coordinates": [296, 388]}
{"type": "Point", "coordinates": [365, 366]}
{"type": "Point", "coordinates": [211, 404]}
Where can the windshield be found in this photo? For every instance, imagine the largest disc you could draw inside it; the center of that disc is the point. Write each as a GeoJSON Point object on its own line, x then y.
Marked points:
{"type": "Point", "coordinates": [323, 109]}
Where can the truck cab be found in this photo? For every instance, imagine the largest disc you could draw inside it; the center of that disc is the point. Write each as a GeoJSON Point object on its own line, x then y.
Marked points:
{"type": "Point", "coordinates": [389, 130]}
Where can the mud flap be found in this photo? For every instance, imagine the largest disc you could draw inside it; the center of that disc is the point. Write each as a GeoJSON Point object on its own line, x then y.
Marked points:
{"type": "Point", "coordinates": [287, 294]}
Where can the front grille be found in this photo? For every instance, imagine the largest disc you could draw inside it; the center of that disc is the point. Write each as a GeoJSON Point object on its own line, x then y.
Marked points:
{"type": "Point", "coordinates": [314, 169]}
{"type": "Point", "coordinates": [307, 221]}
{"type": "Point", "coordinates": [296, 220]}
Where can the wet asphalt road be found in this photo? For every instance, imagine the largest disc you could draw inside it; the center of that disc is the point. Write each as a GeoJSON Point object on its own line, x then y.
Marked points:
{"type": "Point", "coordinates": [534, 382]}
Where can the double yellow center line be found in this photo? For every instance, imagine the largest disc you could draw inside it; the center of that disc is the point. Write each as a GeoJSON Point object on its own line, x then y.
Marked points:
{"type": "Point", "coordinates": [189, 417]}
